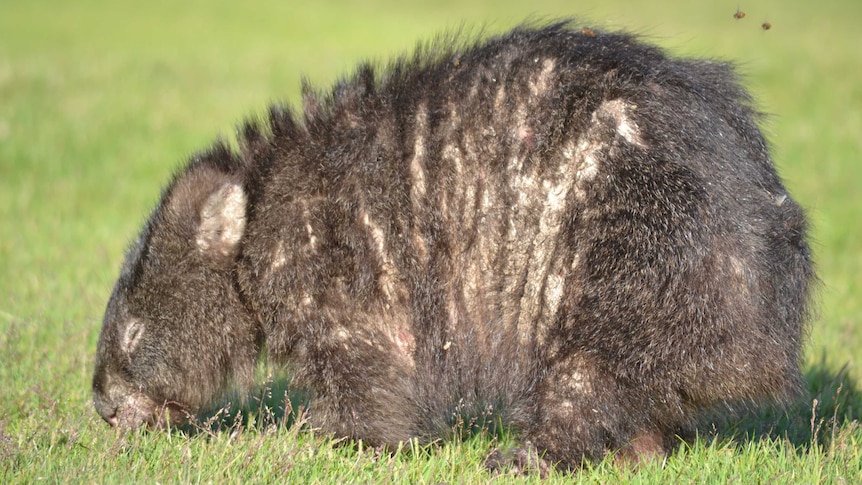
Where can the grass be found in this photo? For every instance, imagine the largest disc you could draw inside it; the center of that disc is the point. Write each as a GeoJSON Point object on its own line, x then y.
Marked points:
{"type": "Point", "coordinates": [100, 101]}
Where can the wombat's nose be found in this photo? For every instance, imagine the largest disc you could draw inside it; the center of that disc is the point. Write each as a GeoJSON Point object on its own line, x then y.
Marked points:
{"type": "Point", "coordinates": [109, 414]}
{"type": "Point", "coordinates": [106, 409]}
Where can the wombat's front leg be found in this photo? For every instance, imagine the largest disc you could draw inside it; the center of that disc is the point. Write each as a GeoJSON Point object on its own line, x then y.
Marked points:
{"type": "Point", "coordinates": [360, 376]}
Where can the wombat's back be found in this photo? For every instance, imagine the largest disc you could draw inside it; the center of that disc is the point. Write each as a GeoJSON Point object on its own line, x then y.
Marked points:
{"type": "Point", "coordinates": [566, 226]}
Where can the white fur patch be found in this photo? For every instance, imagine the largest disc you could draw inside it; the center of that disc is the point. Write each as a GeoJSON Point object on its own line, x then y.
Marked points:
{"type": "Point", "coordinates": [629, 131]}
{"type": "Point", "coordinates": [452, 153]}
{"type": "Point", "coordinates": [500, 99]}
{"type": "Point", "coordinates": [534, 262]}
{"type": "Point", "coordinates": [619, 111]}
{"type": "Point", "coordinates": [279, 257]}
{"type": "Point", "coordinates": [539, 83]}
{"type": "Point", "coordinates": [522, 131]}
{"type": "Point", "coordinates": [417, 172]}
{"type": "Point", "coordinates": [579, 382]}
{"type": "Point", "coordinates": [576, 260]}
{"type": "Point", "coordinates": [376, 234]}
{"type": "Point", "coordinates": [586, 151]}
{"type": "Point", "coordinates": [418, 182]}
{"type": "Point", "coordinates": [312, 238]}
{"type": "Point", "coordinates": [554, 293]}
{"type": "Point", "coordinates": [378, 237]}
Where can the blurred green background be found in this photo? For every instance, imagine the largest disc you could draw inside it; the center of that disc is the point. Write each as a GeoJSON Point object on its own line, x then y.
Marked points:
{"type": "Point", "coordinates": [101, 101]}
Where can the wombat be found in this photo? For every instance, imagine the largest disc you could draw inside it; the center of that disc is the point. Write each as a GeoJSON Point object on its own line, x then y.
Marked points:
{"type": "Point", "coordinates": [564, 226]}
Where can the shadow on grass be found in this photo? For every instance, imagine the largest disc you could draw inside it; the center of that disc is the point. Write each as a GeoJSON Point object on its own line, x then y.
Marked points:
{"type": "Point", "coordinates": [832, 408]}
{"type": "Point", "coordinates": [271, 404]}
{"type": "Point", "coordinates": [276, 404]}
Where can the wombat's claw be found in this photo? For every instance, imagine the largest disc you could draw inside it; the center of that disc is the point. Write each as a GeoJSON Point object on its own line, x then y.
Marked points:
{"type": "Point", "coordinates": [517, 461]}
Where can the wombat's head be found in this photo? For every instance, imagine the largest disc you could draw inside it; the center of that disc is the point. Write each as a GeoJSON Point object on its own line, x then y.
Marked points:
{"type": "Point", "coordinates": [175, 333]}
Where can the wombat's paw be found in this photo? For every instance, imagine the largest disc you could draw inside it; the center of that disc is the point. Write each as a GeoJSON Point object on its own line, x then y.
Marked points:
{"type": "Point", "coordinates": [170, 414]}
{"type": "Point", "coordinates": [646, 445]}
{"type": "Point", "coordinates": [518, 461]}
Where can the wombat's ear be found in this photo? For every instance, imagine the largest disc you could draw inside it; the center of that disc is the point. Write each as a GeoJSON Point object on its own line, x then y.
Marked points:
{"type": "Point", "coordinates": [222, 221]}
{"type": "Point", "coordinates": [131, 335]}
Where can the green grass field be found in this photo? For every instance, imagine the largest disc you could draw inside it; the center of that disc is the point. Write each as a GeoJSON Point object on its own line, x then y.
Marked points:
{"type": "Point", "coordinates": [100, 101]}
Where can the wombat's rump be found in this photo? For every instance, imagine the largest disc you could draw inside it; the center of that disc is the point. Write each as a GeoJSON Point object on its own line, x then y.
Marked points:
{"type": "Point", "coordinates": [567, 228]}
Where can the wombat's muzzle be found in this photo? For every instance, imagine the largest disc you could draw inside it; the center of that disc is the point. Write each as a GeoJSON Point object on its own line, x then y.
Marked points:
{"type": "Point", "coordinates": [133, 410]}
{"type": "Point", "coordinates": [121, 405]}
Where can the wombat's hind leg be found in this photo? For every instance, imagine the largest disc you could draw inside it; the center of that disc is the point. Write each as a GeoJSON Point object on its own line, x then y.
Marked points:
{"type": "Point", "coordinates": [644, 446]}
{"type": "Point", "coordinates": [584, 413]}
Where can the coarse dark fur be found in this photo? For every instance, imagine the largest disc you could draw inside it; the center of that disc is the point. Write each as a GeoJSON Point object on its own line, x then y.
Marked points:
{"type": "Point", "coordinates": [566, 226]}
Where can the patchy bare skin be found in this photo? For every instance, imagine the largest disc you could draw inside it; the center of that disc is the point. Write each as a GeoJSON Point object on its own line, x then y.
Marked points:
{"type": "Point", "coordinates": [569, 231]}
